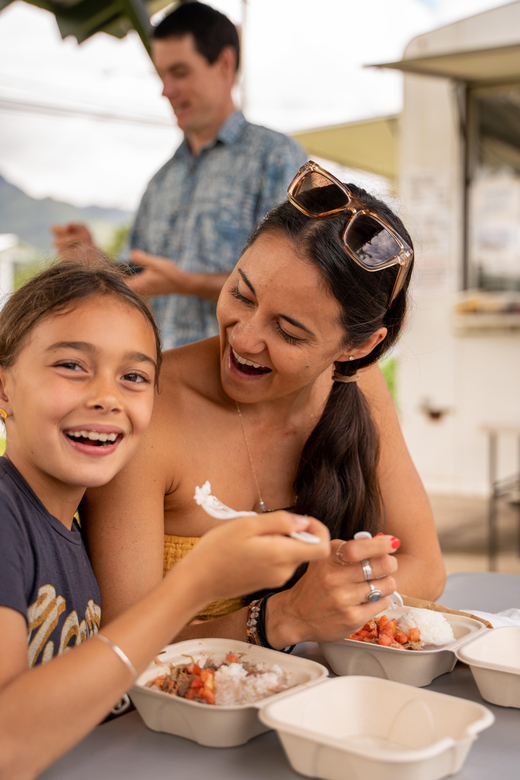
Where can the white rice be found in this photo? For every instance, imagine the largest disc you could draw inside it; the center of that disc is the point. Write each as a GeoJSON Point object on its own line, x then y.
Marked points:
{"type": "Point", "coordinates": [434, 628]}
{"type": "Point", "coordinates": [233, 685]}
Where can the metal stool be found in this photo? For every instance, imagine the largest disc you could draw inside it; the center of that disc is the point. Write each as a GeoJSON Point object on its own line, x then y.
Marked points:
{"type": "Point", "coordinates": [508, 487]}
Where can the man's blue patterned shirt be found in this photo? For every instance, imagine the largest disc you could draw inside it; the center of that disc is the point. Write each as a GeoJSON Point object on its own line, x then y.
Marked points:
{"type": "Point", "coordinates": [200, 210]}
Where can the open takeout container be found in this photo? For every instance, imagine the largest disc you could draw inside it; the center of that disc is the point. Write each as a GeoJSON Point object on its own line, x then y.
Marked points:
{"type": "Point", "coordinates": [494, 660]}
{"type": "Point", "coordinates": [413, 667]}
{"type": "Point", "coordinates": [222, 725]}
{"type": "Point", "coordinates": [364, 727]}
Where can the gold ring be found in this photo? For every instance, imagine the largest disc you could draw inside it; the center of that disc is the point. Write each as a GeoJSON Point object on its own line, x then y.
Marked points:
{"type": "Point", "coordinates": [339, 556]}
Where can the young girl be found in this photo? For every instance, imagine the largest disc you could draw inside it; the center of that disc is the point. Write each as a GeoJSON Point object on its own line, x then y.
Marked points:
{"type": "Point", "coordinates": [79, 358]}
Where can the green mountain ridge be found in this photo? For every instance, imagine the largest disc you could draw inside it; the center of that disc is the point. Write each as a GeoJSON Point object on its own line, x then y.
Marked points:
{"type": "Point", "coordinates": [30, 218]}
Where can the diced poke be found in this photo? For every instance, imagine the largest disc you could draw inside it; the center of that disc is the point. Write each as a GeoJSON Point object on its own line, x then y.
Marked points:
{"type": "Point", "coordinates": [233, 681]}
{"type": "Point", "coordinates": [416, 629]}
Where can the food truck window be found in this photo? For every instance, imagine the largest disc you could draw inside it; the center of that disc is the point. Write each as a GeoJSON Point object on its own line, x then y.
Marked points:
{"type": "Point", "coordinates": [494, 188]}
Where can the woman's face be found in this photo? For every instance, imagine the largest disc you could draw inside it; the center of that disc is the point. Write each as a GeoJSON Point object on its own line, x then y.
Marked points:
{"type": "Point", "coordinates": [279, 325]}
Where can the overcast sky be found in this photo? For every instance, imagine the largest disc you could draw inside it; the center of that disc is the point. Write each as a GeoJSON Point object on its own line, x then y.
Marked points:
{"type": "Point", "coordinates": [303, 68]}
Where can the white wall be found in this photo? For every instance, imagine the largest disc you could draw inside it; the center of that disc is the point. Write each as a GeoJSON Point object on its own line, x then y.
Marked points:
{"type": "Point", "coordinates": [475, 378]}
{"type": "Point", "coordinates": [8, 243]}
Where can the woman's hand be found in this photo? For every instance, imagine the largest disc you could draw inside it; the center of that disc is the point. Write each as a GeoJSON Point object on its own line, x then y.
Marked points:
{"type": "Point", "coordinates": [329, 602]}
{"type": "Point", "coordinates": [252, 553]}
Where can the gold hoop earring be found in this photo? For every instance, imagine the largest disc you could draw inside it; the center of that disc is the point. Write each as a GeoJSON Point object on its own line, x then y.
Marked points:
{"type": "Point", "coordinates": [3, 414]}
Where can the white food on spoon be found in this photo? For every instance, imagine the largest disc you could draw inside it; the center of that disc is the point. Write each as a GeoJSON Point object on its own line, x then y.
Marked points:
{"type": "Point", "coordinates": [212, 506]}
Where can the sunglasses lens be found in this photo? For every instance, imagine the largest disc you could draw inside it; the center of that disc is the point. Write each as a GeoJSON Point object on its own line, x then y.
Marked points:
{"type": "Point", "coordinates": [318, 195]}
{"type": "Point", "coordinates": [370, 241]}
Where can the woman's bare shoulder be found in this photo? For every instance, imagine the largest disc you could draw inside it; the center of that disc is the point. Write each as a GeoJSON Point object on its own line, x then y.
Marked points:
{"type": "Point", "coordinates": [192, 369]}
{"type": "Point", "coordinates": [189, 381]}
{"type": "Point", "coordinates": [373, 385]}
{"type": "Point", "coordinates": [381, 404]}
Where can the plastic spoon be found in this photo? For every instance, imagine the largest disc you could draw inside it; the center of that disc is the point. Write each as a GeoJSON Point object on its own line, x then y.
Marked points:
{"type": "Point", "coordinates": [214, 507]}
{"type": "Point", "coordinates": [396, 600]}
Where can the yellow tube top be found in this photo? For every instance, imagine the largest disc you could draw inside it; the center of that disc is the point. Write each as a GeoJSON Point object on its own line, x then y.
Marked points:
{"type": "Point", "coordinates": [175, 548]}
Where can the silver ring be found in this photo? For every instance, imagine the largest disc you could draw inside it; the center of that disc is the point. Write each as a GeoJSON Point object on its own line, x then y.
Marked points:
{"type": "Point", "coordinates": [367, 570]}
{"type": "Point", "coordinates": [374, 594]}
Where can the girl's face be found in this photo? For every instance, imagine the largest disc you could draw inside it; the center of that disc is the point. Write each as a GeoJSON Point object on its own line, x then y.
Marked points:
{"type": "Point", "coordinates": [279, 326]}
{"type": "Point", "coordinates": [79, 395]}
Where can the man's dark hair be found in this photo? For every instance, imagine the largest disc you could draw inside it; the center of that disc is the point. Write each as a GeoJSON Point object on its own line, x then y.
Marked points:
{"type": "Point", "coordinates": [211, 30]}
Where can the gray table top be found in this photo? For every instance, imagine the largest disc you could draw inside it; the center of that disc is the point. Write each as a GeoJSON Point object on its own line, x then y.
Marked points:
{"type": "Point", "coordinates": [124, 749]}
{"type": "Point", "coordinates": [486, 591]}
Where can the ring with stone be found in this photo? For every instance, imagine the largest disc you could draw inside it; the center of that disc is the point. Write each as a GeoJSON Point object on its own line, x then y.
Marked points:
{"type": "Point", "coordinates": [374, 594]}
{"type": "Point", "coordinates": [367, 570]}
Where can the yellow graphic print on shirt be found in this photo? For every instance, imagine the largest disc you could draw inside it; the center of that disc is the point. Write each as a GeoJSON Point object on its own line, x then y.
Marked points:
{"type": "Point", "coordinates": [43, 618]}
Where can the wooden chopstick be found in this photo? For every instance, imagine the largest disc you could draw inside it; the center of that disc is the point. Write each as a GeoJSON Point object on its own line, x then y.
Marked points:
{"type": "Point", "coordinates": [411, 601]}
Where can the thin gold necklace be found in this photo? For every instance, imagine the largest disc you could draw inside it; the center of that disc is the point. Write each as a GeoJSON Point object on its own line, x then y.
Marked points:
{"type": "Point", "coordinates": [260, 499]}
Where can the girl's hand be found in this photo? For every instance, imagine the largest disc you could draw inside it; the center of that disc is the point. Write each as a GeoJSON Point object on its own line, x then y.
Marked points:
{"type": "Point", "coordinates": [329, 602]}
{"type": "Point", "coordinates": [252, 553]}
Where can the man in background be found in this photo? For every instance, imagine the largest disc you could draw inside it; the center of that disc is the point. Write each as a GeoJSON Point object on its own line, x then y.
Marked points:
{"type": "Point", "coordinates": [199, 208]}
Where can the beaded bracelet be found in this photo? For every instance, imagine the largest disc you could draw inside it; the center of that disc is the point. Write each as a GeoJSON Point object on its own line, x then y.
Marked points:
{"type": "Point", "coordinates": [117, 650]}
{"type": "Point", "coordinates": [252, 622]}
{"type": "Point", "coordinates": [256, 634]}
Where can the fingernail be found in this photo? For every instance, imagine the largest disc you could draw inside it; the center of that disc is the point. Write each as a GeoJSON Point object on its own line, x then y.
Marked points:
{"type": "Point", "coordinates": [395, 542]}
{"type": "Point", "coordinates": [301, 520]}
{"type": "Point", "coordinates": [380, 534]}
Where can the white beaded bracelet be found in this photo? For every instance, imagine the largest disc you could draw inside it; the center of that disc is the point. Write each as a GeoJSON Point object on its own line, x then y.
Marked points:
{"type": "Point", "coordinates": [117, 650]}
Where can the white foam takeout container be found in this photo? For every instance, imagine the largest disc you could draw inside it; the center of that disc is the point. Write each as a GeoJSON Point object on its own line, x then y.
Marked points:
{"type": "Point", "coordinates": [414, 667]}
{"type": "Point", "coordinates": [364, 727]}
{"type": "Point", "coordinates": [222, 725]}
{"type": "Point", "coordinates": [494, 660]}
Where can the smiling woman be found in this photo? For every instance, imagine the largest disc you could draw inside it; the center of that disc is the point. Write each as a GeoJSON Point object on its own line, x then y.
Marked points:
{"type": "Point", "coordinates": [298, 338]}
{"type": "Point", "coordinates": [287, 408]}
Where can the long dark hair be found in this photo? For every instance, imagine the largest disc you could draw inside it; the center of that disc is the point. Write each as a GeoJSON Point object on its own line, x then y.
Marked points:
{"type": "Point", "coordinates": [336, 479]}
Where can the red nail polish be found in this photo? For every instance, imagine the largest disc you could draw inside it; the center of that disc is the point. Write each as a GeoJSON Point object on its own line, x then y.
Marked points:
{"type": "Point", "coordinates": [395, 542]}
{"type": "Point", "coordinates": [379, 534]}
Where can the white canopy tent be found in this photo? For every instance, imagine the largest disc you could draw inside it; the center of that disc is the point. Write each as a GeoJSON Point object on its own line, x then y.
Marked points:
{"type": "Point", "coordinates": [369, 145]}
{"type": "Point", "coordinates": [452, 53]}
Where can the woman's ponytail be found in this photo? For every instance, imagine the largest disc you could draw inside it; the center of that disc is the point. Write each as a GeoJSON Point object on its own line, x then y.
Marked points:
{"type": "Point", "coordinates": [337, 475]}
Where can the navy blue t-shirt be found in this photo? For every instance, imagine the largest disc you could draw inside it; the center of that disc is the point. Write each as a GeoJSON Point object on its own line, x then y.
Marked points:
{"type": "Point", "coordinates": [45, 572]}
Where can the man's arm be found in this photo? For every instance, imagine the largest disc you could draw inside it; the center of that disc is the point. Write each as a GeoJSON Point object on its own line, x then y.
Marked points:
{"type": "Point", "coordinates": [67, 237]}
{"type": "Point", "coordinates": [162, 276]}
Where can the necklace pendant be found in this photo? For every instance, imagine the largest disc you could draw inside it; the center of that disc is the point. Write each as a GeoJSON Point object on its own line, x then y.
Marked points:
{"type": "Point", "coordinates": [262, 506]}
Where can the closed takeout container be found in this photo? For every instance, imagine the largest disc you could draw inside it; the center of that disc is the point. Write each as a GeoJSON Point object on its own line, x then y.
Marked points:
{"type": "Point", "coordinates": [364, 727]}
{"type": "Point", "coordinates": [494, 660]}
{"type": "Point", "coordinates": [414, 667]}
{"type": "Point", "coordinates": [223, 725]}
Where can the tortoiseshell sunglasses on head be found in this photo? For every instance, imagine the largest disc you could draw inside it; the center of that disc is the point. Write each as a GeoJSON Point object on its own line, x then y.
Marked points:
{"type": "Point", "coordinates": [374, 244]}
